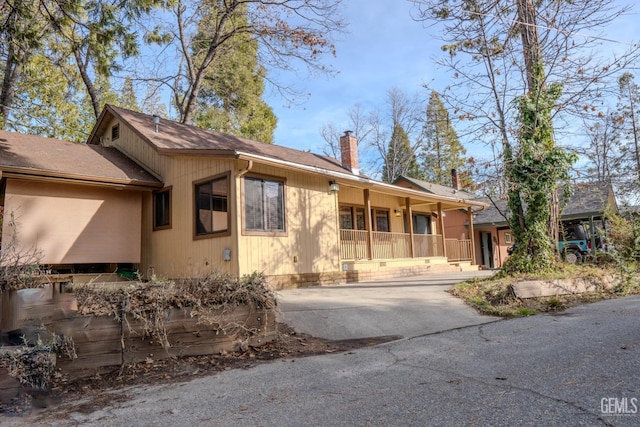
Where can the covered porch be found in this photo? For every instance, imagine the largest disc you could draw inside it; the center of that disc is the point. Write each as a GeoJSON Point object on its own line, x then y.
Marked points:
{"type": "Point", "coordinates": [386, 225]}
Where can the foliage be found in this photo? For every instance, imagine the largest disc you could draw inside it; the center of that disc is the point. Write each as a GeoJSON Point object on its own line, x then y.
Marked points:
{"type": "Point", "coordinates": [400, 158]}
{"type": "Point", "coordinates": [34, 365]}
{"type": "Point", "coordinates": [623, 241]}
{"type": "Point", "coordinates": [533, 174]}
{"type": "Point", "coordinates": [231, 97]}
{"type": "Point", "coordinates": [285, 32]}
{"type": "Point", "coordinates": [442, 151]}
{"type": "Point", "coordinates": [147, 302]}
{"type": "Point", "coordinates": [495, 296]}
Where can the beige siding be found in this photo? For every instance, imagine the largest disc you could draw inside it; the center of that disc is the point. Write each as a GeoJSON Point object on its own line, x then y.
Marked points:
{"type": "Point", "coordinates": [174, 251]}
{"type": "Point", "coordinates": [310, 244]}
{"type": "Point", "coordinates": [74, 224]}
{"type": "Point", "coordinates": [454, 225]}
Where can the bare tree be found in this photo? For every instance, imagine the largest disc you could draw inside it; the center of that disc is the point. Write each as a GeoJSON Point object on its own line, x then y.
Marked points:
{"type": "Point", "coordinates": [287, 31]}
{"type": "Point", "coordinates": [359, 122]}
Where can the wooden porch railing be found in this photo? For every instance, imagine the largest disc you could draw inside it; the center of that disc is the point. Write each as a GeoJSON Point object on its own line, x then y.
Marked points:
{"type": "Point", "coordinates": [427, 245]}
{"type": "Point", "coordinates": [391, 245]}
{"type": "Point", "coordinates": [458, 250]}
{"type": "Point", "coordinates": [353, 245]}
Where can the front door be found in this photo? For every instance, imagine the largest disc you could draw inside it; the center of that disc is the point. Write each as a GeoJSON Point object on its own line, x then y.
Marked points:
{"type": "Point", "coordinates": [487, 249]}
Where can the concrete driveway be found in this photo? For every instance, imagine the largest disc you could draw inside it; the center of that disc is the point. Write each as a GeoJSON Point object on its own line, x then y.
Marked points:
{"type": "Point", "coordinates": [405, 307]}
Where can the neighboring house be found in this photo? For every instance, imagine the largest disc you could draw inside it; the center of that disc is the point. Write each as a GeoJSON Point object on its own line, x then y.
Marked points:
{"type": "Point", "coordinates": [493, 234]}
{"type": "Point", "coordinates": [207, 202]}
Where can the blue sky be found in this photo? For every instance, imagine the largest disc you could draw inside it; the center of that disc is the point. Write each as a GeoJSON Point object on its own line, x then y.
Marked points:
{"type": "Point", "coordinates": [384, 48]}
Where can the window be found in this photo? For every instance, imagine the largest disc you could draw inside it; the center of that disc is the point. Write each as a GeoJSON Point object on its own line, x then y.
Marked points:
{"type": "Point", "coordinates": [507, 238]}
{"type": "Point", "coordinates": [421, 224]}
{"type": "Point", "coordinates": [162, 209]}
{"type": "Point", "coordinates": [350, 215]}
{"type": "Point", "coordinates": [115, 132]}
{"type": "Point", "coordinates": [212, 214]}
{"type": "Point", "coordinates": [263, 205]}
{"type": "Point", "coordinates": [381, 220]}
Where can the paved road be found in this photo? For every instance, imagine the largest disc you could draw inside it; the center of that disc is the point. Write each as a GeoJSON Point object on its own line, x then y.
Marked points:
{"type": "Point", "coordinates": [407, 307]}
{"type": "Point", "coordinates": [579, 368]}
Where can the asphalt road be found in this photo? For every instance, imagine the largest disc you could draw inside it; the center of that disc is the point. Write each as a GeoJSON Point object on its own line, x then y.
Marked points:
{"type": "Point", "coordinates": [578, 368]}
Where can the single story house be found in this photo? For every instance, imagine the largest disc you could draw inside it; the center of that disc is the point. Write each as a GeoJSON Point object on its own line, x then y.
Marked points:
{"type": "Point", "coordinates": [493, 236]}
{"type": "Point", "coordinates": [177, 201]}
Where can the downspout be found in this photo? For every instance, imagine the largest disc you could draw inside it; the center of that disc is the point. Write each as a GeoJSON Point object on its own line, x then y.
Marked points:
{"type": "Point", "coordinates": [238, 216]}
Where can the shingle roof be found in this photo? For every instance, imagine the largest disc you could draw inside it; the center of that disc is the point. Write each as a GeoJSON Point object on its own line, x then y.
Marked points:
{"type": "Point", "coordinates": [35, 155]}
{"type": "Point", "coordinates": [440, 190]}
{"type": "Point", "coordinates": [589, 198]}
{"type": "Point", "coordinates": [177, 138]}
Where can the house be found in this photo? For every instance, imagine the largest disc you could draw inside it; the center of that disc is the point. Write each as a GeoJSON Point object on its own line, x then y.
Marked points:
{"type": "Point", "coordinates": [587, 204]}
{"type": "Point", "coordinates": [199, 201]}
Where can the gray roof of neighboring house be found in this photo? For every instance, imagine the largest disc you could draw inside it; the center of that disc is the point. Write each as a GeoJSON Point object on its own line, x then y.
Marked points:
{"type": "Point", "coordinates": [440, 190]}
{"type": "Point", "coordinates": [53, 158]}
{"type": "Point", "coordinates": [588, 199]}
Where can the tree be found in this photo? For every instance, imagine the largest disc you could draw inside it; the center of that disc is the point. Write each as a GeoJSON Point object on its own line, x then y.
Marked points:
{"type": "Point", "coordinates": [23, 27]}
{"type": "Point", "coordinates": [629, 108]}
{"type": "Point", "coordinates": [441, 150]}
{"type": "Point", "coordinates": [604, 151]}
{"type": "Point", "coordinates": [231, 97]}
{"type": "Point", "coordinates": [284, 30]}
{"type": "Point", "coordinates": [400, 158]}
{"type": "Point", "coordinates": [127, 97]}
{"type": "Point", "coordinates": [515, 48]}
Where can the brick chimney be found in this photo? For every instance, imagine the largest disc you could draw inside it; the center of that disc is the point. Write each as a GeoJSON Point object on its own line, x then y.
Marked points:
{"type": "Point", "coordinates": [349, 152]}
{"type": "Point", "coordinates": [455, 179]}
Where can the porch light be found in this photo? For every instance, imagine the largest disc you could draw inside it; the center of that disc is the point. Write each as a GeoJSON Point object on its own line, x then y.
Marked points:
{"type": "Point", "coordinates": [396, 212]}
{"type": "Point", "coordinates": [334, 187]}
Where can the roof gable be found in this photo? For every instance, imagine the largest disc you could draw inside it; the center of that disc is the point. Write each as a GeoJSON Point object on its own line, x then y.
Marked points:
{"type": "Point", "coordinates": [173, 138]}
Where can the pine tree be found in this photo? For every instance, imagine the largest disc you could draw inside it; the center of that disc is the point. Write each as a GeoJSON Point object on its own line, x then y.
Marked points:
{"type": "Point", "coordinates": [442, 150]}
{"type": "Point", "coordinates": [127, 97]}
{"type": "Point", "coordinates": [400, 159]}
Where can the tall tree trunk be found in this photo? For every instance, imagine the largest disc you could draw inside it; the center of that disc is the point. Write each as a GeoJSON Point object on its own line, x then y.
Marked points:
{"type": "Point", "coordinates": [536, 82]}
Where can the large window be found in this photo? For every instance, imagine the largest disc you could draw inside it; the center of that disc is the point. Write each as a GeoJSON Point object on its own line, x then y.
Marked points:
{"type": "Point", "coordinates": [263, 205]}
{"type": "Point", "coordinates": [162, 209]}
{"type": "Point", "coordinates": [212, 214]}
{"type": "Point", "coordinates": [381, 220]}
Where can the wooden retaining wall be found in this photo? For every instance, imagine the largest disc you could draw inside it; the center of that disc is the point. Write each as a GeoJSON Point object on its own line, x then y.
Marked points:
{"type": "Point", "coordinates": [98, 342]}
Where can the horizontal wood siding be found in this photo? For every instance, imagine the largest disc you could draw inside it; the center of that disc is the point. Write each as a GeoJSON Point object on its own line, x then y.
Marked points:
{"type": "Point", "coordinates": [310, 244]}
{"type": "Point", "coordinates": [74, 224]}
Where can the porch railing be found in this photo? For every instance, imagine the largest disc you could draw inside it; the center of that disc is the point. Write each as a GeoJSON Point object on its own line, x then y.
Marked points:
{"type": "Point", "coordinates": [353, 245]}
{"type": "Point", "coordinates": [390, 245]}
{"type": "Point", "coordinates": [458, 250]}
{"type": "Point", "coordinates": [427, 245]}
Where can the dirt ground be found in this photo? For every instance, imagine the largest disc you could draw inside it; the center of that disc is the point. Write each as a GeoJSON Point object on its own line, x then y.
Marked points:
{"type": "Point", "coordinates": [57, 402]}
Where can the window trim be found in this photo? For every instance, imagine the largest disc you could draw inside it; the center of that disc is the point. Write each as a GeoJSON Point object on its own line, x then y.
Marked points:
{"type": "Point", "coordinates": [285, 225]}
{"type": "Point", "coordinates": [194, 205]}
{"type": "Point", "coordinates": [354, 209]}
{"type": "Point", "coordinates": [170, 208]}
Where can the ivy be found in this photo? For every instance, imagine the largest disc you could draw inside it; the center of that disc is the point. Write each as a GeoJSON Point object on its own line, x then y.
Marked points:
{"type": "Point", "coordinates": [534, 172]}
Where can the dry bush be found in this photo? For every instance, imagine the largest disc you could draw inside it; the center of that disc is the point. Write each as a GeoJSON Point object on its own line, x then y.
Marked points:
{"type": "Point", "coordinates": [207, 298]}
{"type": "Point", "coordinates": [18, 266]}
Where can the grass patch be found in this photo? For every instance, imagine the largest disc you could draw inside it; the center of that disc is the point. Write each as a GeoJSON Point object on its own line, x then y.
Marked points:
{"type": "Point", "coordinates": [494, 296]}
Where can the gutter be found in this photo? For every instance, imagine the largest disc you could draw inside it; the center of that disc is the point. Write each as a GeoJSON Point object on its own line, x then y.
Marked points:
{"type": "Point", "coordinates": [366, 182]}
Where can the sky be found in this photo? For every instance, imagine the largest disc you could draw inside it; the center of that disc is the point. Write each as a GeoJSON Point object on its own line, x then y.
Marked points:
{"type": "Point", "coordinates": [384, 48]}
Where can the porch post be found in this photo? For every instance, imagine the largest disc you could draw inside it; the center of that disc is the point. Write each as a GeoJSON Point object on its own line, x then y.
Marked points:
{"type": "Point", "coordinates": [441, 223]}
{"type": "Point", "coordinates": [407, 203]}
{"type": "Point", "coordinates": [472, 236]}
{"type": "Point", "coordinates": [369, 224]}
